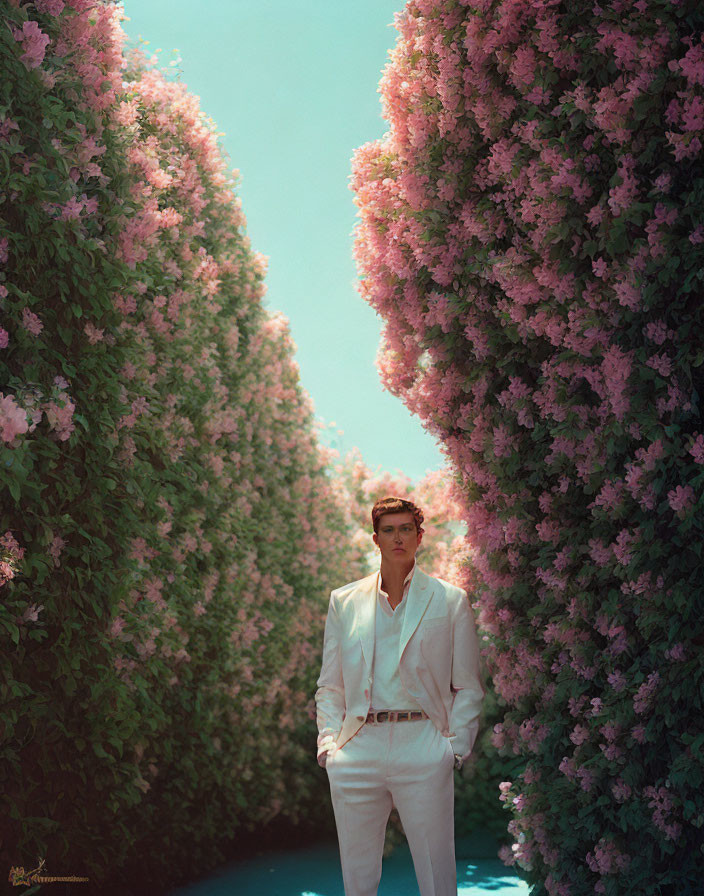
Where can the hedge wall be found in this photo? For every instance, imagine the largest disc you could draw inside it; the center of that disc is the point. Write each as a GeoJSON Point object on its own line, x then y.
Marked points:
{"type": "Point", "coordinates": [532, 230]}
{"type": "Point", "coordinates": [170, 531]}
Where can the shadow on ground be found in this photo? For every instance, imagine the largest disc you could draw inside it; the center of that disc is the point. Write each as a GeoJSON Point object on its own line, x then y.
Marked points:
{"type": "Point", "coordinates": [315, 871]}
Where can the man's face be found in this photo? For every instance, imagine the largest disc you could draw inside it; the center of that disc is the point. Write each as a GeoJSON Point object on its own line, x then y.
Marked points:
{"type": "Point", "coordinates": [397, 537]}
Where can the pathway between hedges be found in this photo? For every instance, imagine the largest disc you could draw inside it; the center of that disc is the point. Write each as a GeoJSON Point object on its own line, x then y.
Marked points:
{"type": "Point", "coordinates": [315, 871]}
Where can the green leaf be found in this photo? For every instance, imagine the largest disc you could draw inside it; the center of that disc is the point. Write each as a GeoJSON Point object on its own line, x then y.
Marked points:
{"type": "Point", "coordinates": [15, 490]}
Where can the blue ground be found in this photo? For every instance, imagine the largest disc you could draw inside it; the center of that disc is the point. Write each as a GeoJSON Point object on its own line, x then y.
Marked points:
{"type": "Point", "coordinates": [315, 871]}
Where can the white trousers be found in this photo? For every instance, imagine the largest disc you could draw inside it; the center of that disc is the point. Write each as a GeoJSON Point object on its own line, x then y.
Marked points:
{"type": "Point", "coordinates": [408, 765]}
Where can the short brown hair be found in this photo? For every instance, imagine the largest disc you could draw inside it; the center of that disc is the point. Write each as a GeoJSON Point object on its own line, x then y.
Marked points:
{"type": "Point", "coordinates": [391, 504]}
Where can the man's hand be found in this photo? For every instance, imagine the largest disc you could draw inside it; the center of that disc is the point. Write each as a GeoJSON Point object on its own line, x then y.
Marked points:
{"type": "Point", "coordinates": [327, 745]}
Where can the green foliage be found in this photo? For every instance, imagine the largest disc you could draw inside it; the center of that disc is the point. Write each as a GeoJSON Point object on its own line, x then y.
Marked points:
{"type": "Point", "coordinates": [532, 232]}
{"type": "Point", "coordinates": [168, 517]}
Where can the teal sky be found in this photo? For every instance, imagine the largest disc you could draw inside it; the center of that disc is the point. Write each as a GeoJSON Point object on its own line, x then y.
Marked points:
{"type": "Point", "coordinates": [293, 84]}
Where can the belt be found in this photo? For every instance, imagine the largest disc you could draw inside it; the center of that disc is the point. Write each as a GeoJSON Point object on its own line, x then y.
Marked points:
{"type": "Point", "coordinates": [397, 715]}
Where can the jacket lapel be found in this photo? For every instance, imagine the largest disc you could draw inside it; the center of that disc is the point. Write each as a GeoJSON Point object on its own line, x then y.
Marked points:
{"type": "Point", "coordinates": [418, 598]}
{"type": "Point", "coordinates": [366, 616]}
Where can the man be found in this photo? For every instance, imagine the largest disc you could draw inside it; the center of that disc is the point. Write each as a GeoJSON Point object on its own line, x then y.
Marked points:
{"type": "Point", "coordinates": [398, 701]}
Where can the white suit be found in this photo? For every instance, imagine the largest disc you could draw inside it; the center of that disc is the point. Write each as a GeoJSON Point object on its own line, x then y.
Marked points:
{"type": "Point", "coordinates": [408, 764]}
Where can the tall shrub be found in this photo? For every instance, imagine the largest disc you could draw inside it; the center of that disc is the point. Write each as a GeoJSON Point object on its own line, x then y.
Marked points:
{"type": "Point", "coordinates": [531, 230]}
{"type": "Point", "coordinates": [168, 529]}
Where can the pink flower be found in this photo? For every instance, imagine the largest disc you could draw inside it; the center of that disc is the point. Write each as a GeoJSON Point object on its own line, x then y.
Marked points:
{"type": "Point", "coordinates": [56, 547]}
{"type": "Point", "coordinates": [6, 572]}
{"type": "Point", "coordinates": [597, 704]}
{"type": "Point", "coordinates": [10, 543]}
{"type": "Point", "coordinates": [567, 767]}
{"type": "Point", "coordinates": [600, 553]}
{"type": "Point", "coordinates": [677, 653]}
{"type": "Point", "coordinates": [656, 331]}
{"type": "Point", "coordinates": [50, 7]}
{"type": "Point", "coordinates": [660, 362]}
{"type": "Point", "coordinates": [681, 497]}
{"type": "Point", "coordinates": [586, 778]}
{"type": "Point", "coordinates": [507, 855]}
{"type": "Point", "coordinates": [595, 215]}
{"type": "Point", "coordinates": [146, 649]}
{"type": "Point", "coordinates": [93, 333]}
{"type": "Point", "coordinates": [523, 66]}
{"type": "Point", "coordinates": [31, 613]}
{"type": "Point", "coordinates": [606, 858]}
{"type": "Point", "coordinates": [116, 627]}
{"type": "Point", "coordinates": [626, 193]}
{"type": "Point", "coordinates": [579, 735]}
{"type": "Point", "coordinates": [611, 751]}
{"type": "Point", "coordinates": [622, 546]}
{"type": "Point", "coordinates": [4, 339]}
{"type": "Point", "coordinates": [638, 733]}
{"type": "Point", "coordinates": [642, 698]}
{"type": "Point", "coordinates": [60, 416]}
{"type": "Point", "coordinates": [616, 370]}
{"type": "Point", "coordinates": [621, 790]}
{"type": "Point", "coordinates": [600, 267]}
{"type": "Point", "coordinates": [13, 419]}
{"type": "Point", "coordinates": [610, 731]}
{"type": "Point", "coordinates": [142, 784]}
{"type": "Point", "coordinates": [505, 788]}
{"type": "Point", "coordinates": [697, 449]}
{"type": "Point", "coordinates": [663, 183]}
{"type": "Point", "coordinates": [697, 235]}
{"type": "Point", "coordinates": [617, 680]}
{"type": "Point", "coordinates": [31, 322]}
{"type": "Point", "coordinates": [34, 43]}
{"type": "Point", "coordinates": [662, 804]}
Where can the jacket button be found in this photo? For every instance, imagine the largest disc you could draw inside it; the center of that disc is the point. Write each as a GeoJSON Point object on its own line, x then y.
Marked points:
{"type": "Point", "coordinates": [360, 718]}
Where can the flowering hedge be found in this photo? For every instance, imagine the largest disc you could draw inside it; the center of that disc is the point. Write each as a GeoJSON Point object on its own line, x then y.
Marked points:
{"type": "Point", "coordinates": [531, 230]}
{"type": "Point", "coordinates": [169, 532]}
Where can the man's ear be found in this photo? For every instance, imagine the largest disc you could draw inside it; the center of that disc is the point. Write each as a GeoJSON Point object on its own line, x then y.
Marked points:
{"type": "Point", "coordinates": [375, 539]}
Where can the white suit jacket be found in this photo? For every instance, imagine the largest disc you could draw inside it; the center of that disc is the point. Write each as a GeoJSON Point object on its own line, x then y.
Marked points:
{"type": "Point", "coordinates": [438, 659]}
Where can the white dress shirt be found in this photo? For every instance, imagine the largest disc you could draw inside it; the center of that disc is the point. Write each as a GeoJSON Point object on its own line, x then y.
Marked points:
{"type": "Point", "coordinates": [387, 690]}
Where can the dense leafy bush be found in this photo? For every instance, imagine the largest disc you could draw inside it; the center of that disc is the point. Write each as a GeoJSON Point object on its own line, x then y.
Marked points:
{"type": "Point", "coordinates": [170, 532]}
{"type": "Point", "coordinates": [532, 229]}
